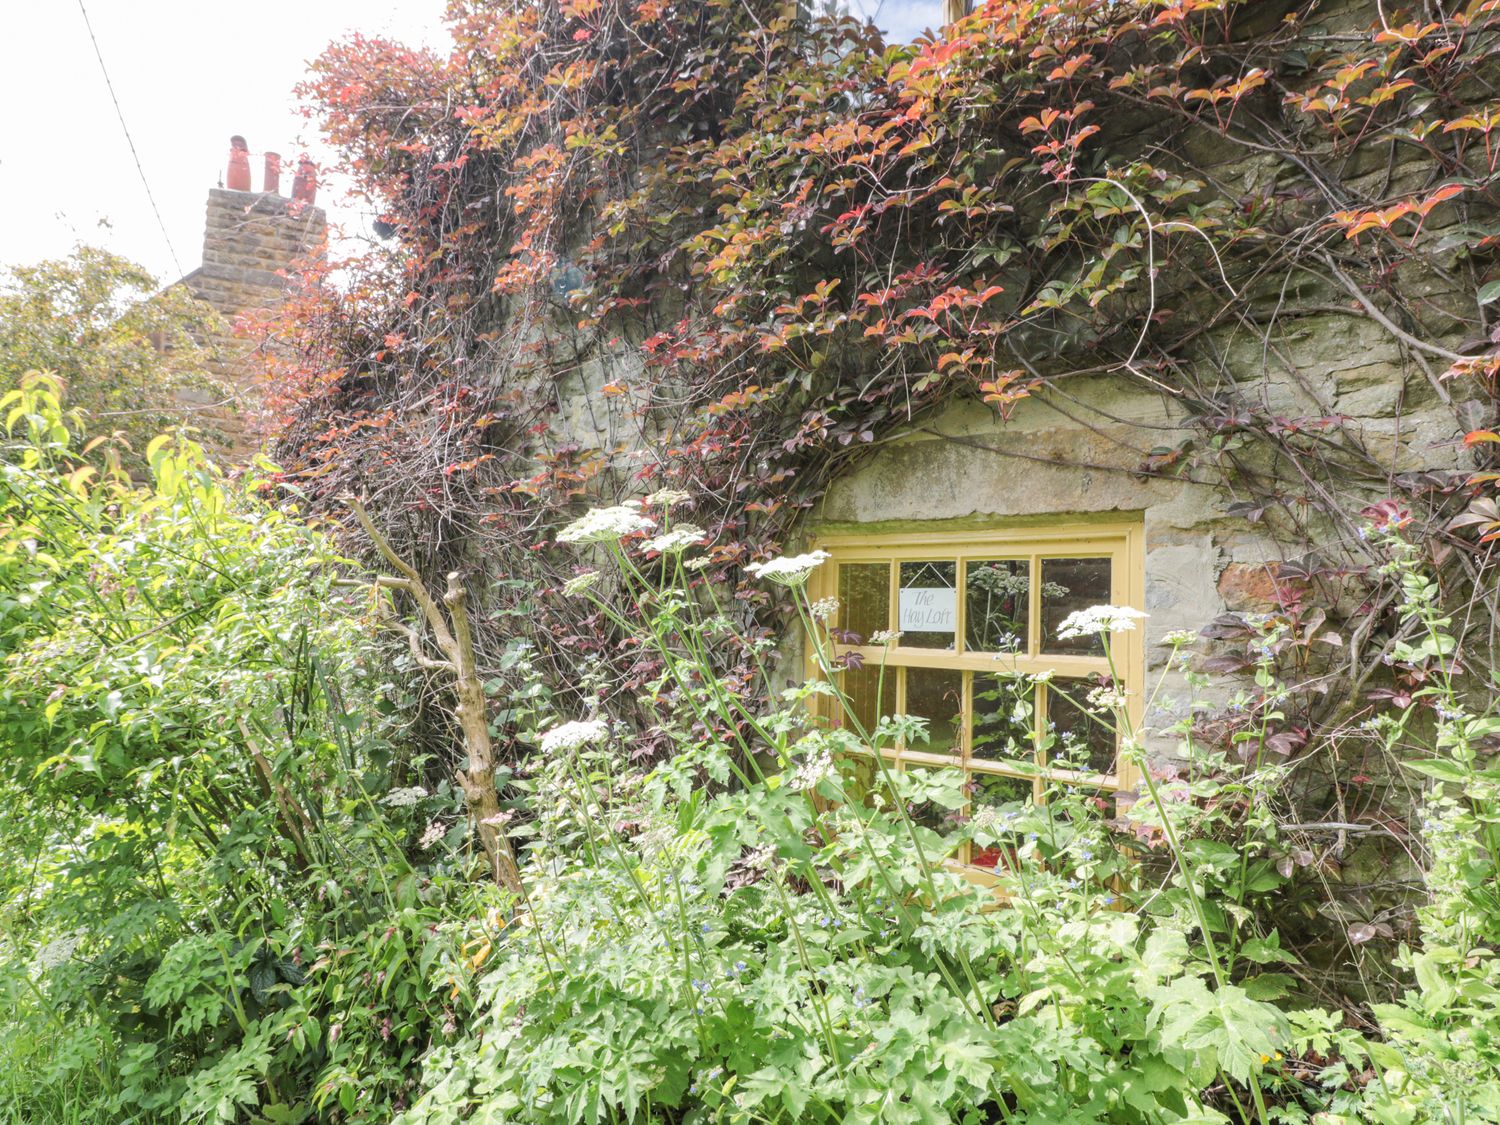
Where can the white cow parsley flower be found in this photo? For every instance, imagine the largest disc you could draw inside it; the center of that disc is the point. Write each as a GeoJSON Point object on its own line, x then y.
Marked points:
{"type": "Point", "coordinates": [668, 498]}
{"type": "Point", "coordinates": [1179, 637]}
{"type": "Point", "coordinates": [1097, 620]}
{"type": "Point", "coordinates": [435, 832]}
{"type": "Point", "coordinates": [824, 608]}
{"type": "Point", "coordinates": [813, 772]}
{"type": "Point", "coordinates": [789, 570]}
{"type": "Point", "coordinates": [404, 798]}
{"type": "Point", "coordinates": [603, 524]}
{"type": "Point", "coordinates": [679, 539]}
{"type": "Point", "coordinates": [1107, 698]}
{"type": "Point", "coordinates": [580, 582]}
{"type": "Point", "coordinates": [986, 818]}
{"type": "Point", "coordinates": [570, 736]}
{"type": "Point", "coordinates": [885, 637]}
{"type": "Point", "coordinates": [760, 858]}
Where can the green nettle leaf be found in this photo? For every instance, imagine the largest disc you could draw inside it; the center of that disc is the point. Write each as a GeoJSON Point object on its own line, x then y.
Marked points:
{"type": "Point", "coordinates": [261, 977]}
{"type": "Point", "coordinates": [1269, 986]}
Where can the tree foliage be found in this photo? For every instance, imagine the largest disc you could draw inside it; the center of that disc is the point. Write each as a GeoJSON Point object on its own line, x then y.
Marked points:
{"type": "Point", "coordinates": [126, 352]}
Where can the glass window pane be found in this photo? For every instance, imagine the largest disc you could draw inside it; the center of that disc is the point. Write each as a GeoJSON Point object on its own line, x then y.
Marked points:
{"type": "Point", "coordinates": [1004, 719]}
{"type": "Point", "coordinates": [1097, 802]}
{"type": "Point", "coordinates": [866, 696]}
{"type": "Point", "coordinates": [1083, 740]}
{"type": "Point", "coordinates": [936, 814]}
{"type": "Point", "coordinates": [937, 695]}
{"type": "Point", "coordinates": [1004, 796]}
{"type": "Point", "coordinates": [864, 598]}
{"type": "Point", "coordinates": [928, 604]}
{"type": "Point", "coordinates": [1069, 585]}
{"type": "Point", "coordinates": [997, 605]}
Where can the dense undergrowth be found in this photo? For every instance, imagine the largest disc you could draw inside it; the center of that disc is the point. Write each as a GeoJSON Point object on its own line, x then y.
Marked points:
{"type": "Point", "coordinates": [253, 862]}
{"type": "Point", "coordinates": [710, 246]}
{"type": "Point", "coordinates": [205, 864]}
{"type": "Point", "coordinates": [230, 896]}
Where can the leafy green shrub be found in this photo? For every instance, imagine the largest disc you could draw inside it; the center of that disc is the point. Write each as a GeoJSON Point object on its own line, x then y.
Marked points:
{"type": "Point", "coordinates": [1438, 1058]}
{"type": "Point", "coordinates": [764, 929]}
{"type": "Point", "coordinates": [226, 895]}
{"type": "Point", "coordinates": [214, 899]}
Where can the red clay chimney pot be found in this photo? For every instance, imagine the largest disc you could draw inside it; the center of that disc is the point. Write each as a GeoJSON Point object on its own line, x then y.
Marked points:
{"type": "Point", "coordinates": [273, 173]}
{"type": "Point", "coordinates": [305, 182]}
{"type": "Point", "coordinates": [238, 178]}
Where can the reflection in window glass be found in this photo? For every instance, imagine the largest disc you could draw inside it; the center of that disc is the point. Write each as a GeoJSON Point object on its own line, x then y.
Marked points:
{"type": "Point", "coordinates": [864, 692]}
{"type": "Point", "coordinates": [934, 814]}
{"type": "Point", "coordinates": [997, 605]}
{"type": "Point", "coordinates": [1083, 740]}
{"type": "Point", "coordinates": [1004, 718]}
{"type": "Point", "coordinates": [1000, 792]}
{"type": "Point", "coordinates": [928, 605]}
{"type": "Point", "coordinates": [864, 598]}
{"type": "Point", "coordinates": [1003, 796]}
{"type": "Point", "coordinates": [1069, 585]}
{"type": "Point", "coordinates": [1060, 801]}
{"type": "Point", "coordinates": [937, 695]}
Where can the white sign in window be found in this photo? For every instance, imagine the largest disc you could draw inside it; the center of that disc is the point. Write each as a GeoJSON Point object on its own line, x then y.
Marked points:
{"type": "Point", "coordinates": [928, 609]}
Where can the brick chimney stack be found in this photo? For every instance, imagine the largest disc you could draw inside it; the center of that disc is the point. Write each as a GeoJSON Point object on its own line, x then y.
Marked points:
{"type": "Point", "coordinates": [252, 237]}
{"type": "Point", "coordinates": [252, 240]}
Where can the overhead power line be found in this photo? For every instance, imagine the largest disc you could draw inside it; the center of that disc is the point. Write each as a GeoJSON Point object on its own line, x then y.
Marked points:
{"type": "Point", "coordinates": [110, 86]}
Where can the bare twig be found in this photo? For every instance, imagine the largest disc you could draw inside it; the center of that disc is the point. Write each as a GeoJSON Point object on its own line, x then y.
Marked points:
{"type": "Point", "coordinates": [455, 640]}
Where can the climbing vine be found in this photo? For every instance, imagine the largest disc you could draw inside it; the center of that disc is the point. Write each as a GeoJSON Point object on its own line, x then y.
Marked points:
{"type": "Point", "coordinates": [728, 248]}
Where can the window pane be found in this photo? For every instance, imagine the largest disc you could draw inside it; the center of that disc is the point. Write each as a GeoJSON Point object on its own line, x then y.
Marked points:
{"type": "Point", "coordinates": [865, 598]}
{"type": "Point", "coordinates": [1083, 740]}
{"type": "Point", "coordinates": [1003, 796]}
{"type": "Point", "coordinates": [941, 781]}
{"type": "Point", "coordinates": [862, 687]}
{"type": "Point", "coordinates": [1097, 801]}
{"type": "Point", "coordinates": [1004, 719]}
{"type": "Point", "coordinates": [1069, 585]}
{"type": "Point", "coordinates": [929, 604]}
{"type": "Point", "coordinates": [936, 695]}
{"type": "Point", "coordinates": [997, 605]}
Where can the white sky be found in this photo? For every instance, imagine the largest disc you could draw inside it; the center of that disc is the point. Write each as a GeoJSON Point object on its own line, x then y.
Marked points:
{"type": "Point", "coordinates": [901, 20]}
{"type": "Point", "coordinates": [188, 74]}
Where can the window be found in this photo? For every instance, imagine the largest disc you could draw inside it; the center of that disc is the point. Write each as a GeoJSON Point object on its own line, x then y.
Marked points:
{"type": "Point", "coordinates": [978, 655]}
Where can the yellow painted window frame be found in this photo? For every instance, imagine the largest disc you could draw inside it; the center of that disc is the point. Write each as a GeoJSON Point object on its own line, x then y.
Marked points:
{"type": "Point", "coordinates": [1123, 542]}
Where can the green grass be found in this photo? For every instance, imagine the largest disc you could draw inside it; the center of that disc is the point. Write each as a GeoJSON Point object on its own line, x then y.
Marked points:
{"type": "Point", "coordinates": [35, 1089]}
